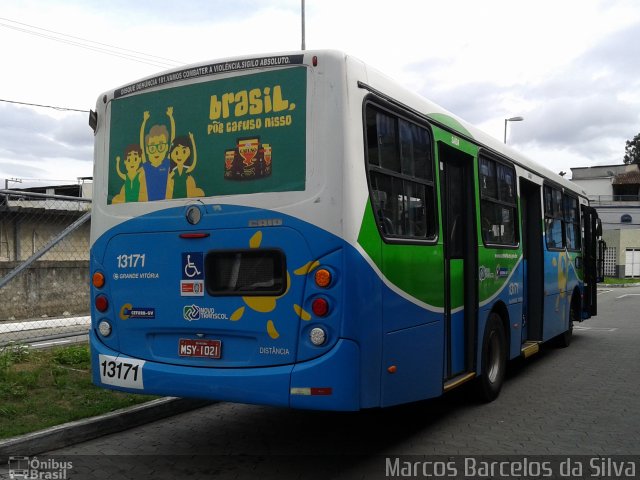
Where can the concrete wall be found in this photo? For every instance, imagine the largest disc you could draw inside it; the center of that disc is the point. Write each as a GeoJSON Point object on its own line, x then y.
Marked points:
{"type": "Point", "coordinates": [595, 186]}
{"type": "Point", "coordinates": [23, 235]}
{"type": "Point", "coordinates": [611, 216]}
{"type": "Point", "coordinates": [622, 239]}
{"type": "Point", "coordinates": [46, 288]}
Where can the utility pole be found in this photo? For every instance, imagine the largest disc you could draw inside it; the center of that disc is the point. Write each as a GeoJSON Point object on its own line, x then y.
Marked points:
{"type": "Point", "coordinates": [7, 180]}
{"type": "Point", "coordinates": [303, 39]}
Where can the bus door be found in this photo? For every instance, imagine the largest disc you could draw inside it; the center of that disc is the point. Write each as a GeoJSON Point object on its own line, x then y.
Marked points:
{"type": "Point", "coordinates": [592, 230]}
{"type": "Point", "coordinates": [533, 258]}
{"type": "Point", "coordinates": [457, 194]}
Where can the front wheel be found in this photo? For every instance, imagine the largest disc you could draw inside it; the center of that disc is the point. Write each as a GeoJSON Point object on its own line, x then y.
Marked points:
{"type": "Point", "coordinates": [494, 359]}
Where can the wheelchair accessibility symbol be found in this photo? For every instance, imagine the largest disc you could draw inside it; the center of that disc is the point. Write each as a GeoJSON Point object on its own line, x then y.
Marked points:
{"type": "Point", "coordinates": [190, 269]}
{"type": "Point", "coordinates": [192, 266]}
{"type": "Point", "coordinates": [192, 282]}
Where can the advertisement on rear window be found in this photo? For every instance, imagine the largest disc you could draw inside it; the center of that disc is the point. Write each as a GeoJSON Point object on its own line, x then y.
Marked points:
{"type": "Point", "coordinates": [240, 135]}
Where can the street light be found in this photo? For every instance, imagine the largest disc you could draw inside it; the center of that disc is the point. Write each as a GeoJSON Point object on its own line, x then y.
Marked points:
{"type": "Point", "coordinates": [512, 119]}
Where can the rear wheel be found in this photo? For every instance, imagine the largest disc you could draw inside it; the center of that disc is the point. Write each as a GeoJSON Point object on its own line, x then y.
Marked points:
{"type": "Point", "coordinates": [564, 340]}
{"type": "Point", "coordinates": [494, 359]}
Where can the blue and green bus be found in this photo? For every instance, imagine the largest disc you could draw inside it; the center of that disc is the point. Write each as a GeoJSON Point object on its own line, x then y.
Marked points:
{"type": "Point", "coordinates": [299, 230]}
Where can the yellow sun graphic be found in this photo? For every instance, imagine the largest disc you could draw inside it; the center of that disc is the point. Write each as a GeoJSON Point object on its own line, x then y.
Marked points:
{"type": "Point", "coordinates": [268, 304]}
{"type": "Point", "coordinates": [562, 264]}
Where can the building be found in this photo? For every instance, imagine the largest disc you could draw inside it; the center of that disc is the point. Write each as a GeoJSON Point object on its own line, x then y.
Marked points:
{"type": "Point", "coordinates": [614, 190]}
{"type": "Point", "coordinates": [83, 189]}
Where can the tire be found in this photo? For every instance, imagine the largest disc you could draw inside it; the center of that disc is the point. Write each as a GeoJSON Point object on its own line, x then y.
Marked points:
{"type": "Point", "coordinates": [493, 361]}
{"type": "Point", "coordinates": [564, 340]}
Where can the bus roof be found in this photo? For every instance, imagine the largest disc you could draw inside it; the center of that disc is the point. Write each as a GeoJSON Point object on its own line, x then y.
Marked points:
{"type": "Point", "coordinates": [444, 118]}
{"type": "Point", "coordinates": [375, 80]}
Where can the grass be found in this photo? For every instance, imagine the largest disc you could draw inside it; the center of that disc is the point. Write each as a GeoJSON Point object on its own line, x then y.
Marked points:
{"type": "Point", "coordinates": [617, 281]}
{"type": "Point", "coordinates": [43, 388]}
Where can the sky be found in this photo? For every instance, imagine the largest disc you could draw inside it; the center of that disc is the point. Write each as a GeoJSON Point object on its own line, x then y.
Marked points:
{"type": "Point", "coordinates": [570, 68]}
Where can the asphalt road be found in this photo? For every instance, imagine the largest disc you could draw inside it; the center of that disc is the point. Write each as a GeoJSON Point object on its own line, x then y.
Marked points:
{"type": "Point", "coordinates": [583, 400]}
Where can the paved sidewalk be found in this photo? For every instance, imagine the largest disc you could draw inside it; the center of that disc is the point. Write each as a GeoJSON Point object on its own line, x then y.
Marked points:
{"type": "Point", "coordinates": [89, 428]}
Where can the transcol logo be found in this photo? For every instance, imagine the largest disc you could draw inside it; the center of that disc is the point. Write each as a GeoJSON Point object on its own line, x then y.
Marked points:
{"type": "Point", "coordinates": [194, 312]}
{"type": "Point", "coordinates": [191, 312]}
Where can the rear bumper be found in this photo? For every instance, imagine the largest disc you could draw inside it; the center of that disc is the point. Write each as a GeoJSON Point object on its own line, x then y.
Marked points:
{"type": "Point", "coordinates": [333, 378]}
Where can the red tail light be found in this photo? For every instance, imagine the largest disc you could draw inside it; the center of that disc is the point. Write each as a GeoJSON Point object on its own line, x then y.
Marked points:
{"type": "Point", "coordinates": [102, 303]}
{"type": "Point", "coordinates": [320, 307]}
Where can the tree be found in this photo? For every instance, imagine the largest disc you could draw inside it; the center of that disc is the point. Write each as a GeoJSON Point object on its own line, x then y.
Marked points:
{"type": "Point", "coordinates": [632, 150]}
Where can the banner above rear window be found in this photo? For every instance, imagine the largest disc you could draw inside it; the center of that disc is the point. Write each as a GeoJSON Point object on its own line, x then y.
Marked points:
{"type": "Point", "coordinates": [239, 135]}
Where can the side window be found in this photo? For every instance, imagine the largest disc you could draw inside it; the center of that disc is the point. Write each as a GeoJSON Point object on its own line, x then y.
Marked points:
{"type": "Point", "coordinates": [400, 164]}
{"type": "Point", "coordinates": [498, 207]}
{"type": "Point", "coordinates": [553, 217]}
{"type": "Point", "coordinates": [572, 220]}
{"type": "Point", "coordinates": [561, 219]}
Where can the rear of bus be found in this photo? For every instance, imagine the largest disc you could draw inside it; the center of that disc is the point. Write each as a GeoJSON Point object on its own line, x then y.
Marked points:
{"type": "Point", "coordinates": [216, 255]}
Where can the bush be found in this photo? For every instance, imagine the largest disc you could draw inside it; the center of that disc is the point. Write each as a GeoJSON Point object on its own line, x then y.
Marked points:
{"type": "Point", "coordinates": [11, 354]}
{"type": "Point", "coordinates": [73, 356]}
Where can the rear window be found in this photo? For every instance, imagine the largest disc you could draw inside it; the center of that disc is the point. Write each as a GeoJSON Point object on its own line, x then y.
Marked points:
{"type": "Point", "coordinates": [245, 272]}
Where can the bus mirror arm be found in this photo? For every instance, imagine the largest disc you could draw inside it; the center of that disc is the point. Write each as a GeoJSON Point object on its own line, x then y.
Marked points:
{"type": "Point", "coordinates": [93, 120]}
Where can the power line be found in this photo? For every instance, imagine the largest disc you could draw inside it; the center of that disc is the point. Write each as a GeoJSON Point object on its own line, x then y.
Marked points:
{"type": "Point", "coordinates": [120, 52]}
{"type": "Point", "coordinates": [89, 47]}
{"type": "Point", "coordinates": [45, 106]}
{"type": "Point", "coordinates": [92, 41]}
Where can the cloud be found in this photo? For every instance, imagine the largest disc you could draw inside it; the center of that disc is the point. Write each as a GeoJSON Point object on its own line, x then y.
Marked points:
{"type": "Point", "coordinates": [41, 146]}
{"type": "Point", "coordinates": [11, 169]}
{"type": "Point", "coordinates": [474, 102]}
{"type": "Point", "coordinates": [617, 54]}
{"type": "Point", "coordinates": [29, 135]}
{"type": "Point", "coordinates": [573, 75]}
{"type": "Point", "coordinates": [74, 132]}
{"type": "Point", "coordinates": [591, 102]}
{"type": "Point", "coordinates": [571, 120]}
{"type": "Point", "coordinates": [589, 106]}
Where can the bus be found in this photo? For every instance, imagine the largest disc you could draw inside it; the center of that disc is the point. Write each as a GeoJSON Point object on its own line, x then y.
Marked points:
{"type": "Point", "coordinates": [299, 230]}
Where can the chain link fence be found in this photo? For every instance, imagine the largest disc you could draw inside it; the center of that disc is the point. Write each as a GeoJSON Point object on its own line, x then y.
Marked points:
{"type": "Point", "coordinates": [44, 266]}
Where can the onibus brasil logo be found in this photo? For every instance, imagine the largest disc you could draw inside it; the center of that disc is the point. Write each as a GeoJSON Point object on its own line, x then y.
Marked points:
{"type": "Point", "coordinates": [194, 312]}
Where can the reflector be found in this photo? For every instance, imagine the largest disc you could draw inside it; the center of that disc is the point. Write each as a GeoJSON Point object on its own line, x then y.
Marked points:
{"type": "Point", "coordinates": [323, 277]}
{"type": "Point", "coordinates": [98, 280]}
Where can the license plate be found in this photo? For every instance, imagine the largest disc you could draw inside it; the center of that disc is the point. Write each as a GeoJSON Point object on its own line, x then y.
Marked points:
{"type": "Point", "coordinates": [188, 347]}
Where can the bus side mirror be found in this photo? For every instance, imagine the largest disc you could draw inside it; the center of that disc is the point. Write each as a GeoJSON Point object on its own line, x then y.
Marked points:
{"type": "Point", "coordinates": [602, 247]}
{"type": "Point", "coordinates": [598, 227]}
{"type": "Point", "coordinates": [578, 263]}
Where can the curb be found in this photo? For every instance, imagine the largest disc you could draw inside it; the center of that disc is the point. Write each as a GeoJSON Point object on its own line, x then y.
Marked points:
{"type": "Point", "coordinates": [617, 285]}
{"type": "Point", "coordinates": [89, 428]}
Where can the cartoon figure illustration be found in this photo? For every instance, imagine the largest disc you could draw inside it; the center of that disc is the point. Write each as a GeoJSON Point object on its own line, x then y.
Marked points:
{"type": "Point", "coordinates": [248, 160]}
{"type": "Point", "coordinates": [180, 183]}
{"type": "Point", "coordinates": [135, 186]}
{"type": "Point", "coordinates": [267, 158]}
{"type": "Point", "coordinates": [156, 144]}
{"type": "Point", "coordinates": [237, 167]}
{"type": "Point", "coordinates": [229, 158]}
